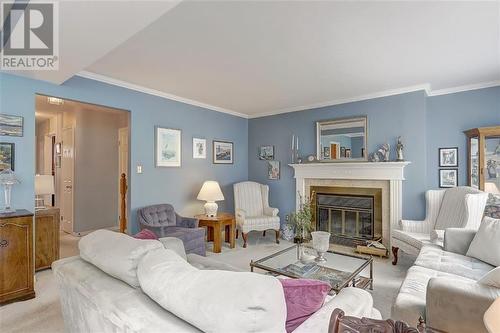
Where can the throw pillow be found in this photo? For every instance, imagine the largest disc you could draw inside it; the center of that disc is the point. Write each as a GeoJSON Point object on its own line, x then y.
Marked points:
{"type": "Point", "coordinates": [492, 278]}
{"type": "Point", "coordinates": [145, 234]}
{"type": "Point", "coordinates": [303, 297]}
{"type": "Point", "coordinates": [486, 243]}
{"type": "Point", "coordinates": [453, 211]}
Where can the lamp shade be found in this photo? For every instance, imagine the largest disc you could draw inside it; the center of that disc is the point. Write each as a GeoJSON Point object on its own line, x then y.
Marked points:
{"type": "Point", "coordinates": [491, 188]}
{"type": "Point", "coordinates": [210, 191]}
{"type": "Point", "coordinates": [44, 184]}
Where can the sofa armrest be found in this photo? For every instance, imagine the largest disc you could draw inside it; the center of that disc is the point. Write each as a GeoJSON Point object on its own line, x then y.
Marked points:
{"type": "Point", "coordinates": [186, 222]}
{"type": "Point", "coordinates": [422, 227]}
{"type": "Point", "coordinates": [450, 301]}
{"type": "Point", "coordinates": [458, 240]}
{"type": "Point", "coordinates": [270, 211]}
{"type": "Point", "coordinates": [240, 213]}
{"type": "Point", "coordinates": [353, 301]}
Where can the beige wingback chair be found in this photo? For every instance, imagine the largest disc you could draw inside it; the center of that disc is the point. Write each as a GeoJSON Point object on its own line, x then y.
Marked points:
{"type": "Point", "coordinates": [458, 207]}
{"type": "Point", "coordinates": [251, 204]}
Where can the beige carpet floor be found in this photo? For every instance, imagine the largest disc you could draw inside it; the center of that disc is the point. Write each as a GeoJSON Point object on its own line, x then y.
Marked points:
{"type": "Point", "coordinates": [43, 313]}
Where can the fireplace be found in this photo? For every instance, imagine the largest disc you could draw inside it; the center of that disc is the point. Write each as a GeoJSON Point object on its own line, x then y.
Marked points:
{"type": "Point", "coordinates": [351, 215]}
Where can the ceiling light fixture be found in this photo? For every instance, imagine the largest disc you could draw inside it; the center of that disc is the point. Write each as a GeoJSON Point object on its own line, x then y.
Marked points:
{"type": "Point", "coordinates": [55, 101]}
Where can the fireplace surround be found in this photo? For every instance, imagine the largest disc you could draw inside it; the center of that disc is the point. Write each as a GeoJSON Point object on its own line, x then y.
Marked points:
{"type": "Point", "coordinates": [384, 176]}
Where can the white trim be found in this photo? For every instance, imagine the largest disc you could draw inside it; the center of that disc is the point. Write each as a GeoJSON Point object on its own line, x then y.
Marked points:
{"type": "Point", "coordinates": [468, 87]}
{"type": "Point", "coordinates": [154, 92]}
{"type": "Point", "coordinates": [391, 92]}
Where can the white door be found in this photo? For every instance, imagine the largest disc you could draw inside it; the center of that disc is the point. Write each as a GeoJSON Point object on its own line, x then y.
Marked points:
{"type": "Point", "coordinates": [122, 163]}
{"type": "Point", "coordinates": [67, 175]}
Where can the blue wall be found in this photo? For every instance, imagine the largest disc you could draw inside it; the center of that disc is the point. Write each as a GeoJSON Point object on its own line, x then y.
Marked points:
{"type": "Point", "coordinates": [178, 186]}
{"type": "Point", "coordinates": [425, 124]}
{"type": "Point", "coordinates": [448, 116]}
{"type": "Point", "coordinates": [388, 118]}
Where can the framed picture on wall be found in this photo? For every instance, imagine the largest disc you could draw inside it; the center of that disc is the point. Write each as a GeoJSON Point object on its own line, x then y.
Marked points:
{"type": "Point", "coordinates": [448, 157]}
{"type": "Point", "coordinates": [222, 152]}
{"type": "Point", "coordinates": [266, 153]}
{"type": "Point", "coordinates": [11, 125]}
{"type": "Point", "coordinates": [448, 178]}
{"type": "Point", "coordinates": [273, 170]}
{"type": "Point", "coordinates": [199, 148]}
{"type": "Point", "coordinates": [168, 147]}
{"type": "Point", "coordinates": [7, 155]}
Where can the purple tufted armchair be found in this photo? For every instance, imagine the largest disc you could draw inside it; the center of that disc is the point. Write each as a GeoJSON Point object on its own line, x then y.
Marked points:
{"type": "Point", "coordinates": [165, 222]}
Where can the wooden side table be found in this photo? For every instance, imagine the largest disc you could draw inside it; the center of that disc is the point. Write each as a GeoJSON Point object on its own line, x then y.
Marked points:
{"type": "Point", "coordinates": [214, 229]}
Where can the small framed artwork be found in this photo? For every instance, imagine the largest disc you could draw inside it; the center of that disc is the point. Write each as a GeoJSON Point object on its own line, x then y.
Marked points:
{"type": "Point", "coordinates": [348, 153]}
{"type": "Point", "coordinates": [342, 152]}
{"type": "Point", "coordinates": [273, 170]}
{"type": "Point", "coordinates": [326, 152]}
{"type": "Point", "coordinates": [11, 125]}
{"type": "Point", "coordinates": [223, 152]}
{"type": "Point", "coordinates": [7, 155]}
{"type": "Point", "coordinates": [168, 147]}
{"type": "Point", "coordinates": [448, 157]}
{"type": "Point", "coordinates": [448, 178]}
{"type": "Point", "coordinates": [266, 153]}
{"type": "Point", "coordinates": [199, 148]}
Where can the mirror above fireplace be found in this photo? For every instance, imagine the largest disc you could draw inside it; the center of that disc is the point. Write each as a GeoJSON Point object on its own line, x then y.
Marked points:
{"type": "Point", "coordinates": [341, 140]}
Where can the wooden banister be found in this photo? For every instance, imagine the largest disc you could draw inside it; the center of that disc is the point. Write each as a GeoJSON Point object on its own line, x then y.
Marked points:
{"type": "Point", "coordinates": [123, 203]}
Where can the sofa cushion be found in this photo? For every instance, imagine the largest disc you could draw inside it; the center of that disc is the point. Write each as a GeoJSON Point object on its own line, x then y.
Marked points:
{"type": "Point", "coordinates": [410, 302]}
{"type": "Point", "coordinates": [115, 253]}
{"type": "Point", "coordinates": [212, 300]}
{"type": "Point", "coordinates": [303, 297]}
{"type": "Point", "coordinates": [486, 243]}
{"type": "Point", "coordinates": [273, 222]}
{"type": "Point", "coordinates": [492, 278]}
{"type": "Point", "coordinates": [448, 262]}
{"type": "Point", "coordinates": [453, 211]}
{"type": "Point", "coordinates": [415, 239]}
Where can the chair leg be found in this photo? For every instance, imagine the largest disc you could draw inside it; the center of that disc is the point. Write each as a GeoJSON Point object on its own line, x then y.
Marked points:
{"type": "Point", "coordinates": [264, 233]}
{"type": "Point", "coordinates": [245, 238]}
{"type": "Point", "coordinates": [395, 255]}
{"type": "Point", "coordinates": [277, 236]}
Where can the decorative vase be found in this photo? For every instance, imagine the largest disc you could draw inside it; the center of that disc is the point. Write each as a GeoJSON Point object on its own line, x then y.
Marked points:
{"type": "Point", "coordinates": [287, 232]}
{"type": "Point", "coordinates": [321, 243]}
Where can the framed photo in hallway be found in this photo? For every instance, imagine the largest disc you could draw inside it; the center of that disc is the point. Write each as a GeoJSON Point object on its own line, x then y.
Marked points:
{"type": "Point", "coordinates": [7, 155]}
{"type": "Point", "coordinates": [223, 152]}
{"type": "Point", "coordinates": [167, 147]}
{"type": "Point", "coordinates": [448, 178]}
{"type": "Point", "coordinates": [448, 157]}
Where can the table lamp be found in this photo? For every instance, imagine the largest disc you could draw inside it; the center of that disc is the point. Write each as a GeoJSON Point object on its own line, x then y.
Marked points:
{"type": "Point", "coordinates": [210, 192]}
{"type": "Point", "coordinates": [44, 185]}
{"type": "Point", "coordinates": [491, 317]}
{"type": "Point", "coordinates": [8, 179]}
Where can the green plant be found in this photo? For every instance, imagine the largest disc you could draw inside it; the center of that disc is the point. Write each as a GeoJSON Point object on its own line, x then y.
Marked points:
{"type": "Point", "coordinates": [301, 220]}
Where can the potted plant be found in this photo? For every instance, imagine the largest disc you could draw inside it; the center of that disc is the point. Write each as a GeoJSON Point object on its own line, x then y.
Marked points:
{"type": "Point", "coordinates": [301, 220]}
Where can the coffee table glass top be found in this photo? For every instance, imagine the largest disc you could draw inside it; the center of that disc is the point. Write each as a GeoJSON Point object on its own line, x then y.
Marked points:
{"type": "Point", "coordinates": [340, 269]}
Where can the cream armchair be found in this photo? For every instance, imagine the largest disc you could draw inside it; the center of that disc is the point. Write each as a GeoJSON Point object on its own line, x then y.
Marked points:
{"type": "Point", "coordinates": [251, 203]}
{"type": "Point", "coordinates": [458, 207]}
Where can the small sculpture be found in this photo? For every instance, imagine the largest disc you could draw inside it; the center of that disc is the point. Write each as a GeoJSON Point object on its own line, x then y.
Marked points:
{"type": "Point", "coordinates": [374, 157]}
{"type": "Point", "coordinates": [385, 151]}
{"type": "Point", "coordinates": [399, 150]}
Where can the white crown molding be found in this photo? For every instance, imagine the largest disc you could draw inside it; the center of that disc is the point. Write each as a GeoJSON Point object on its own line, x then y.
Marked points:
{"type": "Point", "coordinates": [154, 92]}
{"type": "Point", "coordinates": [425, 87]}
{"type": "Point", "coordinates": [464, 88]}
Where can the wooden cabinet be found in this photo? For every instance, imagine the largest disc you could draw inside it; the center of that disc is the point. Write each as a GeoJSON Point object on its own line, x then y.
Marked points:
{"type": "Point", "coordinates": [17, 268]}
{"type": "Point", "coordinates": [483, 158]}
{"type": "Point", "coordinates": [46, 237]}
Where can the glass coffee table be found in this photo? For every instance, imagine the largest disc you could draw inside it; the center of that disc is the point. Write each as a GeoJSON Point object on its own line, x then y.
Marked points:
{"type": "Point", "coordinates": [340, 269]}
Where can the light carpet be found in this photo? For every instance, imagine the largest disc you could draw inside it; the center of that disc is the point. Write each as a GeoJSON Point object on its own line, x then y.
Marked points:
{"type": "Point", "coordinates": [43, 313]}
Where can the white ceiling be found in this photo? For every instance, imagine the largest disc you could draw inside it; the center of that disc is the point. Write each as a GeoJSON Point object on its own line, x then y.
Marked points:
{"type": "Point", "coordinates": [255, 58]}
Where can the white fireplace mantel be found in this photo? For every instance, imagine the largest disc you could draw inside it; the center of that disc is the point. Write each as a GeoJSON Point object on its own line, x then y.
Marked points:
{"type": "Point", "coordinates": [392, 172]}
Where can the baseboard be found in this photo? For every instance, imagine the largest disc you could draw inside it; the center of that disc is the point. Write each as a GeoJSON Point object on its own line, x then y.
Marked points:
{"type": "Point", "coordinates": [83, 233]}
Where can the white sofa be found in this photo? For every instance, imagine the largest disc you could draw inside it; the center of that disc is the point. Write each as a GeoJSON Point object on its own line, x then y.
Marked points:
{"type": "Point", "coordinates": [458, 207]}
{"type": "Point", "coordinates": [106, 290]}
{"type": "Point", "coordinates": [251, 204]}
{"type": "Point", "coordinates": [442, 287]}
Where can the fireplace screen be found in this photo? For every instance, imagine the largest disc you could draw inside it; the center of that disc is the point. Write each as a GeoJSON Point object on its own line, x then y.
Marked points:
{"type": "Point", "coordinates": [345, 216]}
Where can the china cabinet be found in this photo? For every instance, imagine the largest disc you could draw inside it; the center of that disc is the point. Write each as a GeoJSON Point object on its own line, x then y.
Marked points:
{"type": "Point", "coordinates": [483, 158]}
